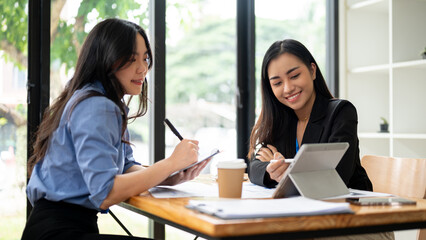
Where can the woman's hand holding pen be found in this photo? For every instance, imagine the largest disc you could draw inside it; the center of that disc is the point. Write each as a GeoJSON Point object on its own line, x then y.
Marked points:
{"type": "Point", "coordinates": [186, 149]}
{"type": "Point", "coordinates": [277, 167]}
{"type": "Point", "coordinates": [277, 164]}
{"type": "Point", "coordinates": [266, 153]}
{"type": "Point", "coordinates": [185, 154]}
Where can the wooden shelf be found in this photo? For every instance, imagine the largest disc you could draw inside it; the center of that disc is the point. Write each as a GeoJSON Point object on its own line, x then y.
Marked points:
{"type": "Point", "coordinates": [384, 68]}
{"type": "Point", "coordinates": [373, 4]}
{"type": "Point", "coordinates": [382, 73]}
{"type": "Point", "coordinates": [379, 135]}
{"type": "Point", "coordinates": [374, 135]}
{"type": "Point", "coordinates": [410, 136]}
{"type": "Point", "coordinates": [411, 64]}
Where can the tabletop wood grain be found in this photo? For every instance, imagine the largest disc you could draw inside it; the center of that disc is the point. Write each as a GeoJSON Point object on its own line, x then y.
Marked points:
{"type": "Point", "coordinates": [174, 210]}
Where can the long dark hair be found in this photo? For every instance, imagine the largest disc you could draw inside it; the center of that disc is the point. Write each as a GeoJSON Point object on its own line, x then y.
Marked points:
{"type": "Point", "coordinates": [108, 47]}
{"type": "Point", "coordinates": [274, 115]}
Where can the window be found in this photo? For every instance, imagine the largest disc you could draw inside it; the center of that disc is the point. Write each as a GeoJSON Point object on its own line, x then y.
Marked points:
{"type": "Point", "coordinates": [280, 19]}
{"type": "Point", "coordinates": [201, 74]}
{"type": "Point", "coordinates": [13, 117]}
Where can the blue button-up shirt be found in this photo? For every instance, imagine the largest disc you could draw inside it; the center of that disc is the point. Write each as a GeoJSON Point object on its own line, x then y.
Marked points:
{"type": "Point", "coordinates": [85, 153]}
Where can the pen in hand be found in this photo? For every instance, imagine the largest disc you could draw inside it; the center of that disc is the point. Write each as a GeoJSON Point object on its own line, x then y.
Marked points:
{"type": "Point", "coordinates": [170, 125]}
{"type": "Point", "coordinates": [287, 160]}
{"type": "Point", "coordinates": [279, 157]}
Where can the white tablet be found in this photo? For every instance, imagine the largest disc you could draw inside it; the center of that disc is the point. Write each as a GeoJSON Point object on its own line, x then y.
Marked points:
{"type": "Point", "coordinates": [313, 172]}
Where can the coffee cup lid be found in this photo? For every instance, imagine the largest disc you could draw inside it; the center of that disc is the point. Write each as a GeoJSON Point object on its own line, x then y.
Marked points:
{"type": "Point", "coordinates": [232, 164]}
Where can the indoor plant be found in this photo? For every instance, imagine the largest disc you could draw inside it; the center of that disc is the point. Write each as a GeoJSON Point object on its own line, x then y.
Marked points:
{"type": "Point", "coordinates": [384, 125]}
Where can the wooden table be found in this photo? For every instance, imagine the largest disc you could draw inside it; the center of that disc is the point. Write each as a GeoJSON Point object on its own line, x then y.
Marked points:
{"type": "Point", "coordinates": [370, 219]}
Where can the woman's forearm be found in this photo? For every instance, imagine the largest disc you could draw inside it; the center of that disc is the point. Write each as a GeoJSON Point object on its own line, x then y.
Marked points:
{"type": "Point", "coordinates": [137, 180]}
{"type": "Point", "coordinates": [136, 168]}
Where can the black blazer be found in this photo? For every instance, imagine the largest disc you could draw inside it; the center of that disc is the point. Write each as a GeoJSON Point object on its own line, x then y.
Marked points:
{"type": "Point", "coordinates": [331, 120]}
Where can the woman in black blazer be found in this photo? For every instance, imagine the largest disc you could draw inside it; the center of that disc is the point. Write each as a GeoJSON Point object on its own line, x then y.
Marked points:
{"type": "Point", "coordinates": [298, 108]}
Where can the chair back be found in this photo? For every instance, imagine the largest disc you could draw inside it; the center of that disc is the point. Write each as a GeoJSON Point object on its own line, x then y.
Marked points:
{"type": "Point", "coordinates": [405, 177]}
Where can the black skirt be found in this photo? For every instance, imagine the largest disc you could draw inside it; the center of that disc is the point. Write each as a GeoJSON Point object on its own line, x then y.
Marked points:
{"type": "Point", "coordinates": [60, 220]}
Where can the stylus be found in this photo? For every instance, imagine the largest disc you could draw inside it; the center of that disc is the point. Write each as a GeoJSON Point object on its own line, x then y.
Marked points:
{"type": "Point", "coordinates": [288, 160]}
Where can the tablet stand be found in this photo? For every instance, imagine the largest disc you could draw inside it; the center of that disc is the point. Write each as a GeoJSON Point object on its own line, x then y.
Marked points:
{"type": "Point", "coordinates": [315, 184]}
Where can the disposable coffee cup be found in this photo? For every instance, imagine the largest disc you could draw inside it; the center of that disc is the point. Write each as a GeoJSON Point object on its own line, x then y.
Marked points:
{"type": "Point", "coordinates": [230, 175]}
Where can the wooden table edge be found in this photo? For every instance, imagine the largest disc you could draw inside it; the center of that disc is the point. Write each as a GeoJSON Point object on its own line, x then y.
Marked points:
{"type": "Point", "coordinates": [197, 223]}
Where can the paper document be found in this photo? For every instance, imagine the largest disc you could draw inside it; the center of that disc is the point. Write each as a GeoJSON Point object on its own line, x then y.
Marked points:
{"type": "Point", "coordinates": [196, 189]}
{"type": "Point", "coordinates": [186, 189]}
{"type": "Point", "coordinates": [263, 208]}
{"type": "Point", "coordinates": [251, 190]}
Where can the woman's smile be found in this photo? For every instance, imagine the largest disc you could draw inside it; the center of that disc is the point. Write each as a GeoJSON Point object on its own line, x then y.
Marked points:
{"type": "Point", "coordinates": [292, 82]}
{"type": "Point", "coordinates": [138, 82]}
{"type": "Point", "coordinates": [293, 97]}
{"type": "Point", "coordinates": [132, 76]}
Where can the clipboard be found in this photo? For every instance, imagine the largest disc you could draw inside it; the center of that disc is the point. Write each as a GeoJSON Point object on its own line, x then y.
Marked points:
{"type": "Point", "coordinates": [201, 159]}
{"type": "Point", "coordinates": [267, 208]}
{"type": "Point", "coordinates": [313, 172]}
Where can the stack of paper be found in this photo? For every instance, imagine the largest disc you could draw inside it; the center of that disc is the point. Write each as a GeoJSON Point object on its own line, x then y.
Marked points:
{"type": "Point", "coordinates": [262, 208]}
{"type": "Point", "coordinates": [195, 189]}
{"type": "Point", "coordinates": [187, 189]}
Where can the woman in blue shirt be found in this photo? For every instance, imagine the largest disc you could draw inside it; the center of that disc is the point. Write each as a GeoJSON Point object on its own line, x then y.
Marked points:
{"type": "Point", "coordinates": [82, 161]}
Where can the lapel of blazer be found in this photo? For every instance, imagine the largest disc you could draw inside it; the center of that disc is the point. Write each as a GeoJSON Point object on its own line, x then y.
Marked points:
{"type": "Point", "coordinates": [315, 127]}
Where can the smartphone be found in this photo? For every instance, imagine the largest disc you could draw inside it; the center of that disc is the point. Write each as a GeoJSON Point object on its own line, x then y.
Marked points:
{"type": "Point", "coordinates": [380, 201]}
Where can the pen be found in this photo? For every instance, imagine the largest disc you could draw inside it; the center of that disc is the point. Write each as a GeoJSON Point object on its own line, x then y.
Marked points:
{"type": "Point", "coordinates": [287, 160]}
{"type": "Point", "coordinates": [166, 121]}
